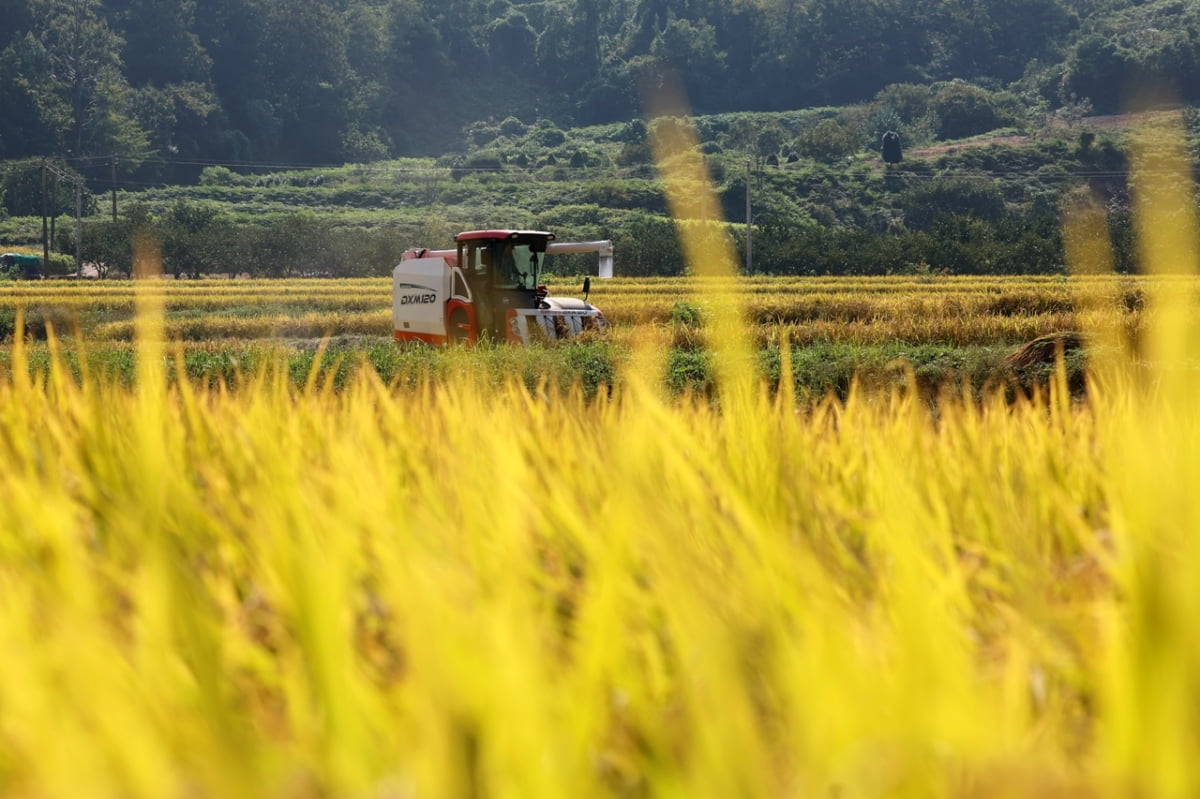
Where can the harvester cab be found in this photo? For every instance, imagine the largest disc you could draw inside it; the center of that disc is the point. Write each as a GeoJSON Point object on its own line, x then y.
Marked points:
{"type": "Point", "coordinates": [488, 287]}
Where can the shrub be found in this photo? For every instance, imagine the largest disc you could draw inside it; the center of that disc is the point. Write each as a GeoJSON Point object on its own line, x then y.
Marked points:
{"type": "Point", "coordinates": [686, 313]}
{"type": "Point", "coordinates": [909, 102]}
{"type": "Point", "coordinates": [827, 141]}
{"type": "Point", "coordinates": [928, 201]}
{"type": "Point", "coordinates": [965, 110]}
{"type": "Point", "coordinates": [220, 176]}
{"type": "Point", "coordinates": [632, 131]}
{"type": "Point", "coordinates": [513, 127]}
{"type": "Point", "coordinates": [364, 146]}
{"type": "Point", "coordinates": [548, 134]}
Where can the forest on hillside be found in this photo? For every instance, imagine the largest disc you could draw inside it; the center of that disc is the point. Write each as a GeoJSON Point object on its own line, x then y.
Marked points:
{"type": "Point", "coordinates": [161, 88]}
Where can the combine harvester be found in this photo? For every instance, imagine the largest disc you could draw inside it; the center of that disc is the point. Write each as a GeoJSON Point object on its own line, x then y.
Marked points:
{"type": "Point", "coordinates": [490, 286]}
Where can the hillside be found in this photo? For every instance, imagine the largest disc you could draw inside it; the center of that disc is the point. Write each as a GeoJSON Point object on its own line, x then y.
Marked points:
{"type": "Point", "coordinates": [166, 87]}
{"type": "Point", "coordinates": [988, 203]}
{"type": "Point", "coordinates": [995, 128]}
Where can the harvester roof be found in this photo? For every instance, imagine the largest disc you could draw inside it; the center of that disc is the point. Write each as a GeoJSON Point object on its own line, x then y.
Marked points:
{"type": "Point", "coordinates": [477, 235]}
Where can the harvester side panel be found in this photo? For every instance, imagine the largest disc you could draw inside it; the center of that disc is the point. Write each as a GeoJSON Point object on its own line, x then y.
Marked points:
{"type": "Point", "coordinates": [420, 289]}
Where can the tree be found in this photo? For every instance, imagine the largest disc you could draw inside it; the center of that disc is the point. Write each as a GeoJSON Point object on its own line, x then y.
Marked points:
{"type": "Point", "coordinates": [18, 19]}
{"type": "Point", "coordinates": [171, 74]}
{"type": "Point", "coordinates": [86, 97]}
{"type": "Point", "coordinates": [644, 24]}
{"type": "Point", "coordinates": [108, 245]}
{"type": "Point", "coordinates": [306, 78]}
{"type": "Point", "coordinates": [161, 47]}
{"type": "Point", "coordinates": [512, 43]}
{"type": "Point", "coordinates": [995, 39]}
{"type": "Point", "coordinates": [768, 141]}
{"type": "Point", "coordinates": [908, 101]}
{"type": "Point", "coordinates": [690, 47]}
{"type": "Point", "coordinates": [785, 62]}
{"type": "Point", "coordinates": [21, 184]}
{"type": "Point", "coordinates": [966, 110]}
{"type": "Point", "coordinates": [230, 33]}
{"type": "Point", "coordinates": [860, 45]}
{"type": "Point", "coordinates": [26, 127]}
{"type": "Point", "coordinates": [193, 240]}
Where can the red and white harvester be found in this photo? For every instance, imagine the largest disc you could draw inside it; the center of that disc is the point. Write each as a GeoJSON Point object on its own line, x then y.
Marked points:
{"type": "Point", "coordinates": [490, 286]}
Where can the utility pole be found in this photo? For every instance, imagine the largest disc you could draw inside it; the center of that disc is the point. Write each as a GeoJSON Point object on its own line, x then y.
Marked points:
{"type": "Point", "coordinates": [77, 179]}
{"type": "Point", "coordinates": [114, 187]}
{"type": "Point", "coordinates": [78, 226]}
{"type": "Point", "coordinates": [749, 228]}
{"type": "Point", "coordinates": [45, 230]}
{"type": "Point", "coordinates": [54, 206]}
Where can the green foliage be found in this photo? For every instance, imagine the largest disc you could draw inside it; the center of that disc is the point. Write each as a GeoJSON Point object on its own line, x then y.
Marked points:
{"type": "Point", "coordinates": [963, 110]}
{"type": "Point", "coordinates": [907, 103]}
{"type": "Point", "coordinates": [828, 141]}
{"type": "Point", "coordinates": [547, 134]}
{"type": "Point", "coordinates": [632, 132]}
{"type": "Point", "coordinates": [60, 265]}
{"type": "Point", "coordinates": [687, 314]}
{"type": "Point", "coordinates": [928, 201]}
{"type": "Point", "coordinates": [691, 371]}
{"type": "Point", "coordinates": [221, 176]}
{"type": "Point", "coordinates": [108, 245]}
{"type": "Point", "coordinates": [195, 240]}
{"type": "Point", "coordinates": [364, 146]}
{"type": "Point", "coordinates": [313, 82]}
{"type": "Point", "coordinates": [21, 188]}
{"type": "Point", "coordinates": [648, 246]}
{"type": "Point", "coordinates": [513, 127]}
{"type": "Point", "coordinates": [1138, 47]}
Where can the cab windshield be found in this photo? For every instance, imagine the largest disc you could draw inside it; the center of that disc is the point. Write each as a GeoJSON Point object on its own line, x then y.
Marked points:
{"type": "Point", "coordinates": [517, 266]}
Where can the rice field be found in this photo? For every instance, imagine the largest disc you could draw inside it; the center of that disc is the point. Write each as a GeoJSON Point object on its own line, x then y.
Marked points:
{"type": "Point", "coordinates": [470, 583]}
{"type": "Point", "coordinates": [935, 310]}
{"type": "Point", "coordinates": [454, 589]}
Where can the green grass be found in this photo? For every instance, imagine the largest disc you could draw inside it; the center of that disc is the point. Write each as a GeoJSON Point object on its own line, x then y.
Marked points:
{"type": "Point", "coordinates": [596, 366]}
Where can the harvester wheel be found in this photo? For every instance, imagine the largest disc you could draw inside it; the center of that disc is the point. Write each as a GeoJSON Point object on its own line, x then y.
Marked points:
{"type": "Point", "coordinates": [459, 327]}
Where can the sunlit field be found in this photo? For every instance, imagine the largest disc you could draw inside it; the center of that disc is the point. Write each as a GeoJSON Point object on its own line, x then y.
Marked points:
{"type": "Point", "coordinates": [920, 310]}
{"type": "Point", "coordinates": [343, 584]}
{"type": "Point", "coordinates": [950, 331]}
{"type": "Point", "coordinates": [449, 589]}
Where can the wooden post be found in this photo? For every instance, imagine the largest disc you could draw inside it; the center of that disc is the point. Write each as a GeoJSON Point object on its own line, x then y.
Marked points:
{"type": "Point", "coordinates": [749, 228]}
{"type": "Point", "coordinates": [45, 226]}
{"type": "Point", "coordinates": [78, 226]}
